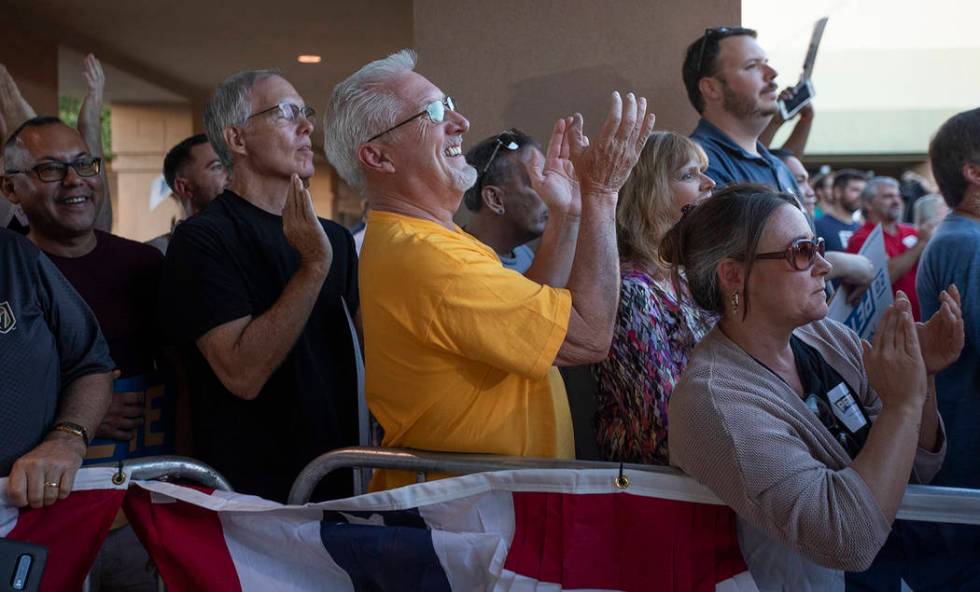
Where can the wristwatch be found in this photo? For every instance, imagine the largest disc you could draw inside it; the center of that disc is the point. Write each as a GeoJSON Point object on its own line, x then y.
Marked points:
{"type": "Point", "coordinates": [72, 428]}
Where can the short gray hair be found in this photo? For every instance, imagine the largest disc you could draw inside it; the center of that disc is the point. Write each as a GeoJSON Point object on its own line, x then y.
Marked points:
{"type": "Point", "coordinates": [925, 208]}
{"type": "Point", "coordinates": [361, 106]}
{"type": "Point", "coordinates": [229, 106]}
{"type": "Point", "coordinates": [871, 189]}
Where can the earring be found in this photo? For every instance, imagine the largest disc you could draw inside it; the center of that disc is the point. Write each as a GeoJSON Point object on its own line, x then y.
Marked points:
{"type": "Point", "coordinates": [735, 301]}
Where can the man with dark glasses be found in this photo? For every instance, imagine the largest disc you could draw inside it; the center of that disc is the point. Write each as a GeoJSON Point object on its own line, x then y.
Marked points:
{"type": "Point", "coordinates": [731, 84]}
{"type": "Point", "coordinates": [459, 351]}
{"type": "Point", "coordinates": [253, 295]}
{"type": "Point", "coordinates": [506, 212]}
{"type": "Point", "coordinates": [50, 173]}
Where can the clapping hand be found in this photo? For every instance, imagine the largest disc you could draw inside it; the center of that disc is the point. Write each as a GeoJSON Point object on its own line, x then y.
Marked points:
{"type": "Point", "coordinates": [553, 175]}
{"type": "Point", "coordinates": [894, 360]}
{"type": "Point", "coordinates": [604, 165]}
{"type": "Point", "coordinates": [942, 336]}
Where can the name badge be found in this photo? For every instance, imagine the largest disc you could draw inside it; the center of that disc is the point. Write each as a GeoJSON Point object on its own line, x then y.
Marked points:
{"type": "Point", "coordinates": [845, 408]}
{"type": "Point", "coordinates": [910, 241]}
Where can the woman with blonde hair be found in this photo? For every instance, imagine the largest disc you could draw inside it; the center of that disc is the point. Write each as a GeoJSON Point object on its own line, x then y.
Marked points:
{"type": "Point", "coordinates": [657, 324]}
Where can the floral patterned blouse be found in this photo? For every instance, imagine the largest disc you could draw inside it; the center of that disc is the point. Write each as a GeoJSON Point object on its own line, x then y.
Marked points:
{"type": "Point", "coordinates": [654, 335]}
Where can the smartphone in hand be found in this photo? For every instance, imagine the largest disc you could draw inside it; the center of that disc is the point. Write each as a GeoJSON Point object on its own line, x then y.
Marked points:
{"type": "Point", "coordinates": [803, 93]}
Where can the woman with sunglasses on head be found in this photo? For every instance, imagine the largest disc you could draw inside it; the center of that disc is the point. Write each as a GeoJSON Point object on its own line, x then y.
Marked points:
{"type": "Point", "coordinates": [657, 324]}
{"type": "Point", "coordinates": [807, 433]}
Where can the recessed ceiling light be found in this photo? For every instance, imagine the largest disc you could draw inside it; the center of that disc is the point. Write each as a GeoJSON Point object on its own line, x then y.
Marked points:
{"type": "Point", "coordinates": [308, 59]}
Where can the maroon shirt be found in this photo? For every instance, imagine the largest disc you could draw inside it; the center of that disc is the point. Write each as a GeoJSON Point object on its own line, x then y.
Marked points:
{"type": "Point", "coordinates": [119, 280]}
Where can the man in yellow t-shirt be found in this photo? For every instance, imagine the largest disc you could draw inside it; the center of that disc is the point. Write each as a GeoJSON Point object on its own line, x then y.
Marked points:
{"type": "Point", "coordinates": [459, 351]}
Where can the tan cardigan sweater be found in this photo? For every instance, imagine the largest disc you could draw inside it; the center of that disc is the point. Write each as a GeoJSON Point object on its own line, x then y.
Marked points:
{"type": "Point", "coordinates": [745, 434]}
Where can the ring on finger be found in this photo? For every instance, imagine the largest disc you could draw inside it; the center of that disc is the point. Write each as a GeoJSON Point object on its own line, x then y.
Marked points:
{"type": "Point", "coordinates": [51, 484]}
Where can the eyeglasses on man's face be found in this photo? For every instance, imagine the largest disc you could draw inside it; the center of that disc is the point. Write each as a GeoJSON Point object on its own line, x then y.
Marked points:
{"type": "Point", "coordinates": [801, 254]}
{"type": "Point", "coordinates": [435, 110]}
{"type": "Point", "coordinates": [55, 170]}
{"type": "Point", "coordinates": [288, 111]}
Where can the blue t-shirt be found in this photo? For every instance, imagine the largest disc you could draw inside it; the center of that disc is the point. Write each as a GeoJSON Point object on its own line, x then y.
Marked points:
{"type": "Point", "coordinates": [834, 232]}
{"type": "Point", "coordinates": [728, 163]}
{"type": "Point", "coordinates": [953, 257]}
{"type": "Point", "coordinates": [521, 261]}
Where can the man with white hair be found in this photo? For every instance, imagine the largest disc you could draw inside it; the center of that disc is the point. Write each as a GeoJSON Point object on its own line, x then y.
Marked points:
{"type": "Point", "coordinates": [460, 351]}
{"type": "Point", "coordinates": [253, 294]}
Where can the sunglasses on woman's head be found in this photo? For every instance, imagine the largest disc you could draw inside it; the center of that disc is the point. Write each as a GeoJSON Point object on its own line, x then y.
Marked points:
{"type": "Point", "coordinates": [801, 254]}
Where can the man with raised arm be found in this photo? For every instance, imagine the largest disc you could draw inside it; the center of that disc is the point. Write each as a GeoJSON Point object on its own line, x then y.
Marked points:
{"type": "Point", "coordinates": [730, 83]}
{"type": "Point", "coordinates": [460, 352]}
{"type": "Point", "coordinates": [254, 292]}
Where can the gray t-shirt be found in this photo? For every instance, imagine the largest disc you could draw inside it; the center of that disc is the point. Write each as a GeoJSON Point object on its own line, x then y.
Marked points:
{"type": "Point", "coordinates": [48, 339]}
{"type": "Point", "coordinates": [953, 257]}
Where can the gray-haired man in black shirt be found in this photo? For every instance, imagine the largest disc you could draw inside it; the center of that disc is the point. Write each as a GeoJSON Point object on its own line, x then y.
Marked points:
{"type": "Point", "coordinates": [253, 296]}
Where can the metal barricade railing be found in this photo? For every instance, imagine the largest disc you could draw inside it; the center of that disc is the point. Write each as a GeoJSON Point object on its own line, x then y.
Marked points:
{"type": "Point", "coordinates": [926, 503]}
{"type": "Point", "coordinates": [164, 468]}
{"type": "Point", "coordinates": [421, 462]}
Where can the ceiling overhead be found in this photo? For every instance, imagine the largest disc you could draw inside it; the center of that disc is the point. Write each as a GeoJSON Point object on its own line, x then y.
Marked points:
{"type": "Point", "coordinates": [178, 50]}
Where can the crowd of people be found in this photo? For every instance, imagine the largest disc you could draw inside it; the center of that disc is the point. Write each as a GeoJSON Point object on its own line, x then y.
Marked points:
{"type": "Point", "coordinates": [693, 275]}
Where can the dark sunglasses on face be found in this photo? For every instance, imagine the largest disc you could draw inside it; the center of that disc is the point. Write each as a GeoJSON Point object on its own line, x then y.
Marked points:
{"type": "Point", "coordinates": [288, 111]}
{"type": "Point", "coordinates": [435, 110]}
{"type": "Point", "coordinates": [801, 254]}
{"type": "Point", "coordinates": [55, 171]}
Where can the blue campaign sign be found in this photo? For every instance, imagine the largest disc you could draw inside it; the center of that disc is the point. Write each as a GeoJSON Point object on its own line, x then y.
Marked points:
{"type": "Point", "coordinates": [863, 317]}
{"type": "Point", "coordinates": [155, 436]}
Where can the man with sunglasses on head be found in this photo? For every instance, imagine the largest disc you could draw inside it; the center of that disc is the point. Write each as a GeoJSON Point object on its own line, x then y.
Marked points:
{"type": "Point", "coordinates": [460, 351]}
{"type": "Point", "coordinates": [51, 174]}
{"type": "Point", "coordinates": [507, 213]}
{"type": "Point", "coordinates": [253, 296]}
{"type": "Point", "coordinates": [731, 84]}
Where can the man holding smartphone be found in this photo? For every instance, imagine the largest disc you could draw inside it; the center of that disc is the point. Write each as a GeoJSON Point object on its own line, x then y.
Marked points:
{"type": "Point", "coordinates": [731, 84]}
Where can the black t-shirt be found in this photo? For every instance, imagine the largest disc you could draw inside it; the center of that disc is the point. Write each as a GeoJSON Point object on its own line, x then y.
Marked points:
{"type": "Point", "coordinates": [831, 398]}
{"type": "Point", "coordinates": [230, 261]}
{"type": "Point", "coordinates": [48, 339]}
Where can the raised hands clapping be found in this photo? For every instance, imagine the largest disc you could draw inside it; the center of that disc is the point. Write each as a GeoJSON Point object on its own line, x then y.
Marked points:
{"type": "Point", "coordinates": [603, 165]}
{"type": "Point", "coordinates": [553, 175]}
